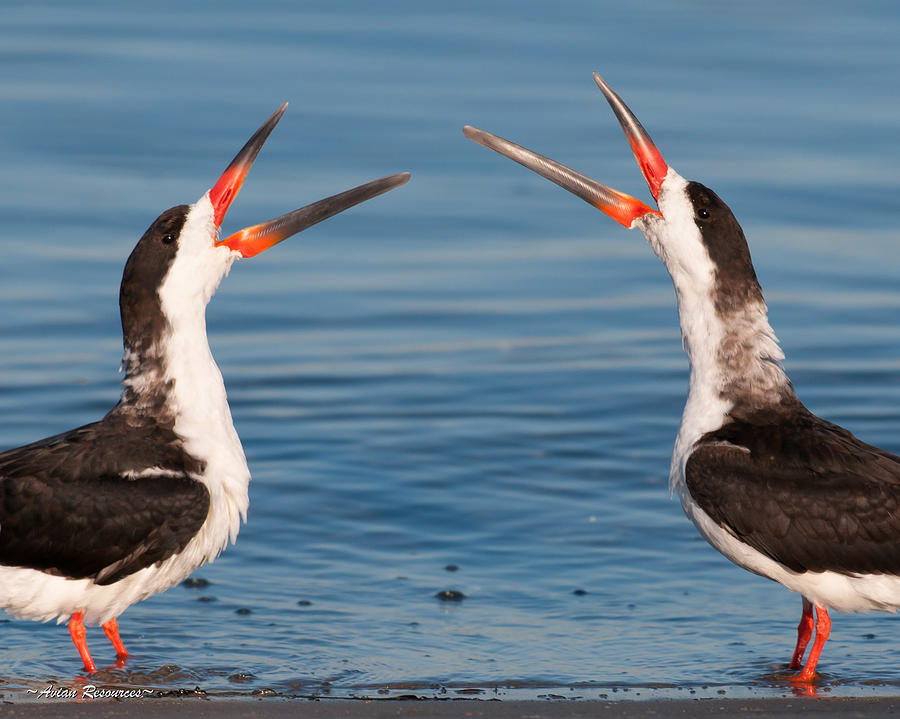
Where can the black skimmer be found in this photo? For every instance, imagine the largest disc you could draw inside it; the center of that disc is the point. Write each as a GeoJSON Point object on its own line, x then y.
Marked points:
{"type": "Point", "coordinates": [100, 517]}
{"type": "Point", "coordinates": [773, 487]}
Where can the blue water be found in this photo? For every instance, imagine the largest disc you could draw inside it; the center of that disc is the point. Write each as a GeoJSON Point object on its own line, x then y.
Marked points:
{"type": "Point", "coordinates": [477, 370]}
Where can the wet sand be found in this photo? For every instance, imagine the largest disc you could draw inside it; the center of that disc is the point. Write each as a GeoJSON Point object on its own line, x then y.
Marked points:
{"type": "Point", "coordinates": [439, 709]}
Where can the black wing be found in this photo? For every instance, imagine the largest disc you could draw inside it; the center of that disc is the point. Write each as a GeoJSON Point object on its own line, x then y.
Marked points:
{"type": "Point", "coordinates": [807, 494]}
{"type": "Point", "coordinates": [100, 502]}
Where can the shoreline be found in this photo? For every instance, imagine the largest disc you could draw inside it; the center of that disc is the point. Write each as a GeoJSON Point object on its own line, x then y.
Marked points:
{"type": "Point", "coordinates": [242, 708]}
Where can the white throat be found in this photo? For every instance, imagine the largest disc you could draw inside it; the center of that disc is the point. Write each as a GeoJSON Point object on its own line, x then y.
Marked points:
{"type": "Point", "coordinates": [196, 397]}
{"type": "Point", "coordinates": [734, 357]}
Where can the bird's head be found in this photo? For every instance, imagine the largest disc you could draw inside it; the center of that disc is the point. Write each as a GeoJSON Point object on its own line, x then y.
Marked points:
{"type": "Point", "coordinates": [180, 260]}
{"type": "Point", "coordinates": [693, 231]}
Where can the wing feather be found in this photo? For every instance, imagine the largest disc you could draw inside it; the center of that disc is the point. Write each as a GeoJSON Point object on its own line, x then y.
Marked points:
{"type": "Point", "coordinates": [100, 502]}
{"type": "Point", "coordinates": [807, 494]}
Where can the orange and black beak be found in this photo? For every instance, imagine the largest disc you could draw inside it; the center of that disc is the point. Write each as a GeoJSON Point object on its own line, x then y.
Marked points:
{"type": "Point", "coordinates": [619, 206]}
{"type": "Point", "coordinates": [253, 240]}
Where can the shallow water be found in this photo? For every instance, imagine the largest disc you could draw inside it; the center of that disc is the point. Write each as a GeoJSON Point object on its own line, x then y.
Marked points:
{"type": "Point", "coordinates": [476, 370]}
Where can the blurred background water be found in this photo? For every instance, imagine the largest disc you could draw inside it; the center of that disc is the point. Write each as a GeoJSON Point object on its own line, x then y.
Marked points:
{"type": "Point", "coordinates": [474, 382]}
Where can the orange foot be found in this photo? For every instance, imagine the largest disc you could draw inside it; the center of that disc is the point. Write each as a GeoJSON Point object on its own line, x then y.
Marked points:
{"type": "Point", "coordinates": [823, 630]}
{"type": "Point", "coordinates": [76, 629]}
{"type": "Point", "coordinates": [111, 629]}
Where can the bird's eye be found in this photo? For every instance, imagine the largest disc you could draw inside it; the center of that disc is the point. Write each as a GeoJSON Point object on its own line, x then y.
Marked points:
{"type": "Point", "coordinates": [703, 213]}
{"type": "Point", "coordinates": [168, 238]}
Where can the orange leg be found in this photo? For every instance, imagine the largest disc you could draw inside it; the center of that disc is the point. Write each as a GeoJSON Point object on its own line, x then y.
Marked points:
{"type": "Point", "coordinates": [804, 632]}
{"type": "Point", "coordinates": [76, 629]}
{"type": "Point", "coordinates": [111, 629]}
{"type": "Point", "coordinates": [823, 629]}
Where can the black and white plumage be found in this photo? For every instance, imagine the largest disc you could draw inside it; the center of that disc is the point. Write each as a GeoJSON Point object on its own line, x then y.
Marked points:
{"type": "Point", "coordinates": [103, 516]}
{"type": "Point", "coordinates": [773, 487]}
